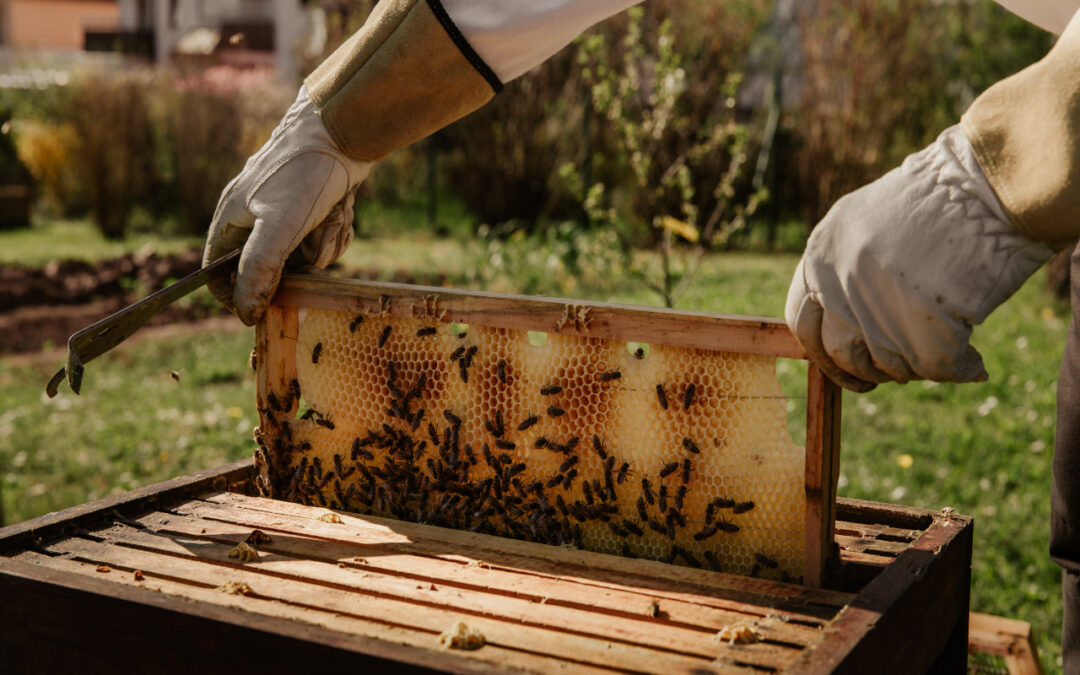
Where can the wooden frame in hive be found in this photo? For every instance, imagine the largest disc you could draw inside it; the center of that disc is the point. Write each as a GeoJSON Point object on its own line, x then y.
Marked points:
{"type": "Point", "coordinates": [280, 339]}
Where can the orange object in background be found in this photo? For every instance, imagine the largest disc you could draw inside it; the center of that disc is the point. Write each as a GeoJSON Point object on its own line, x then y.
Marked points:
{"type": "Point", "coordinates": [54, 24]}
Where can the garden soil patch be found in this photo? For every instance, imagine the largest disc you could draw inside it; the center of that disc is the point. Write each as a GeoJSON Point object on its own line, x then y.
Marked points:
{"type": "Point", "coordinates": [40, 307]}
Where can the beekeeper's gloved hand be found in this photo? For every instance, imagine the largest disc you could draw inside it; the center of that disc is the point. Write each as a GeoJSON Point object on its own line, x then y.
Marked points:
{"type": "Point", "coordinates": [897, 273]}
{"type": "Point", "coordinates": [414, 67]}
{"type": "Point", "coordinates": [296, 193]}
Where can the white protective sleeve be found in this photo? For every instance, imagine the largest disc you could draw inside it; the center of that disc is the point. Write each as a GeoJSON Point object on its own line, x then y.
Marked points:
{"type": "Point", "coordinates": [513, 36]}
{"type": "Point", "coordinates": [1052, 15]}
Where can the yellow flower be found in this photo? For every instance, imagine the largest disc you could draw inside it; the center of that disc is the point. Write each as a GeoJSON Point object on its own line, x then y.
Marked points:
{"type": "Point", "coordinates": [905, 461]}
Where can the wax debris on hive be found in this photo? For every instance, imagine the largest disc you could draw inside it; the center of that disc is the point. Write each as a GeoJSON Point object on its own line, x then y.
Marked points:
{"type": "Point", "coordinates": [682, 455]}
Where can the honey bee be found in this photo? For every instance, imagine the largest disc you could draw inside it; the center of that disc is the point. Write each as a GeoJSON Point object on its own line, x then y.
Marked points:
{"type": "Point", "coordinates": [541, 442]}
{"type": "Point", "coordinates": [457, 353]}
{"type": "Point", "coordinates": [669, 468]}
{"type": "Point", "coordinates": [646, 491]}
{"type": "Point", "coordinates": [765, 560]}
{"type": "Point", "coordinates": [384, 335]}
{"type": "Point", "coordinates": [554, 411]}
{"type": "Point", "coordinates": [504, 444]}
{"type": "Point", "coordinates": [492, 429]}
{"type": "Point", "coordinates": [587, 489]}
{"type": "Point", "coordinates": [686, 466]}
{"type": "Point", "coordinates": [599, 447]}
{"type": "Point", "coordinates": [689, 558]}
{"type": "Point", "coordinates": [689, 397]}
{"type": "Point", "coordinates": [626, 552]}
{"type": "Point", "coordinates": [463, 370]}
{"type": "Point", "coordinates": [618, 530]}
{"type": "Point", "coordinates": [325, 422]}
{"type": "Point", "coordinates": [358, 451]}
{"type": "Point", "coordinates": [565, 466]}
{"type": "Point", "coordinates": [569, 480]}
{"type": "Point", "coordinates": [528, 422]}
{"type": "Point", "coordinates": [452, 418]}
{"type": "Point", "coordinates": [639, 353]}
{"type": "Point", "coordinates": [691, 446]}
{"type": "Point", "coordinates": [623, 470]}
{"type": "Point", "coordinates": [610, 375]}
{"type": "Point", "coordinates": [677, 518]}
{"type": "Point", "coordinates": [680, 495]}
{"type": "Point", "coordinates": [315, 352]}
{"type": "Point", "coordinates": [713, 561]}
{"type": "Point", "coordinates": [632, 528]}
{"type": "Point", "coordinates": [550, 390]}
{"type": "Point", "coordinates": [516, 469]}
{"type": "Point", "coordinates": [655, 526]}
{"type": "Point", "coordinates": [391, 372]}
{"type": "Point", "coordinates": [742, 507]}
{"type": "Point", "coordinates": [557, 479]}
{"type": "Point", "coordinates": [502, 371]}
{"type": "Point", "coordinates": [662, 497]}
{"type": "Point", "coordinates": [571, 444]}
{"type": "Point", "coordinates": [725, 526]}
{"type": "Point", "coordinates": [416, 419]}
{"type": "Point", "coordinates": [641, 508]}
{"type": "Point", "coordinates": [469, 354]}
{"type": "Point", "coordinates": [426, 331]}
{"type": "Point", "coordinates": [661, 396]}
{"type": "Point", "coordinates": [705, 532]}
{"type": "Point", "coordinates": [357, 320]}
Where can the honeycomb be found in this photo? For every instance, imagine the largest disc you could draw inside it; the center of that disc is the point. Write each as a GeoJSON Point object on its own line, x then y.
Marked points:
{"type": "Point", "coordinates": [674, 454]}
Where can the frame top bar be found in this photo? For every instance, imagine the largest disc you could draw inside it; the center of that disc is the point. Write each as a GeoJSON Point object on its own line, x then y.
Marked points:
{"type": "Point", "coordinates": [696, 330]}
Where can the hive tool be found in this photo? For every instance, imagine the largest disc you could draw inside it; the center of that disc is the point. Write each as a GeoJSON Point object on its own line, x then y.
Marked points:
{"type": "Point", "coordinates": [100, 337]}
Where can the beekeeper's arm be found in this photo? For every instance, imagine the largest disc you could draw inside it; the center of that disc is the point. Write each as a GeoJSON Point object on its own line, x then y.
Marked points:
{"type": "Point", "coordinates": [414, 67]}
{"type": "Point", "coordinates": [897, 273]}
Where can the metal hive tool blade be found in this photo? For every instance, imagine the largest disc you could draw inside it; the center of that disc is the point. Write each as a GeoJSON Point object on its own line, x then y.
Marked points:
{"type": "Point", "coordinates": [100, 337]}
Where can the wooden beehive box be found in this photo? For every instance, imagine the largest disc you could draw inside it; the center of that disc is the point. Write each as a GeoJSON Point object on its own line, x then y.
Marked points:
{"type": "Point", "coordinates": [668, 427]}
{"type": "Point", "coordinates": [143, 582]}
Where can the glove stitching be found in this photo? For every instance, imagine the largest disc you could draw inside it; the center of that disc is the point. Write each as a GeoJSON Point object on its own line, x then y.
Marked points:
{"type": "Point", "coordinates": [267, 175]}
{"type": "Point", "coordinates": [300, 234]}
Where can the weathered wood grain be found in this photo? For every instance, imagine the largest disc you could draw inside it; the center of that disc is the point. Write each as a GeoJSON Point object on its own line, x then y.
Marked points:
{"type": "Point", "coordinates": [697, 330]}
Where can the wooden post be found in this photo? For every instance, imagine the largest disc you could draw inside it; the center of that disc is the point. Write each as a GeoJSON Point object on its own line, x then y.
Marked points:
{"type": "Point", "coordinates": [822, 471]}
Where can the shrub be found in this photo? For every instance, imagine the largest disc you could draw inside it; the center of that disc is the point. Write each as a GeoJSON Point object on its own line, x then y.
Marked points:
{"type": "Point", "coordinates": [47, 150]}
{"type": "Point", "coordinates": [882, 79]}
{"type": "Point", "coordinates": [214, 122]}
{"type": "Point", "coordinates": [674, 144]}
{"type": "Point", "coordinates": [110, 115]}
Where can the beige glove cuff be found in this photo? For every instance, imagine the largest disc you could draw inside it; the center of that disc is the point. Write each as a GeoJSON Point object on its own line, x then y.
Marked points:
{"type": "Point", "coordinates": [1025, 131]}
{"type": "Point", "coordinates": [406, 74]}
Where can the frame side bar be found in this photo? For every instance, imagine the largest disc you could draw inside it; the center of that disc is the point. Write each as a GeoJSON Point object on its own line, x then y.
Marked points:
{"type": "Point", "coordinates": [822, 471]}
{"type": "Point", "coordinates": [275, 339]}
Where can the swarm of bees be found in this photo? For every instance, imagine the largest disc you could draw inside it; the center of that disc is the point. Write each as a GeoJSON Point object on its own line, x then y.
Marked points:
{"type": "Point", "coordinates": [503, 470]}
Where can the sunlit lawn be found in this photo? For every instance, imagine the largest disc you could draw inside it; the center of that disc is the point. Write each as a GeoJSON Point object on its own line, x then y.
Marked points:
{"type": "Point", "coordinates": [983, 449]}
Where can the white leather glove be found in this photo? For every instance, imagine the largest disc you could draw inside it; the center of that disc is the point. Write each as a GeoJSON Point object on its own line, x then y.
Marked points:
{"type": "Point", "coordinates": [897, 273]}
{"type": "Point", "coordinates": [295, 193]}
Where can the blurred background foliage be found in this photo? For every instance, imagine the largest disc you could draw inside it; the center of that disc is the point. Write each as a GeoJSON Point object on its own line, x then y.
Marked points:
{"type": "Point", "coordinates": [864, 83]}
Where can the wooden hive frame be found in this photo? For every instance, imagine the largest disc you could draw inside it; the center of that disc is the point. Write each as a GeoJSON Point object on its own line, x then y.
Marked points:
{"type": "Point", "coordinates": [277, 332]}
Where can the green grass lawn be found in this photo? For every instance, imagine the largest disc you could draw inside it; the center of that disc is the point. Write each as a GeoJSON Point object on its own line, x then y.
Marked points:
{"type": "Point", "coordinates": [77, 240]}
{"type": "Point", "coordinates": [983, 449]}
